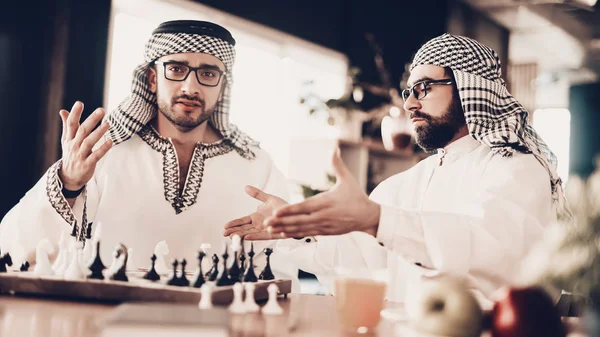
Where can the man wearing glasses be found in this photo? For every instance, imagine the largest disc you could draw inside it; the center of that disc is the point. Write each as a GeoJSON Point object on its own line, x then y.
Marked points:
{"type": "Point", "coordinates": [473, 209]}
{"type": "Point", "coordinates": [170, 167]}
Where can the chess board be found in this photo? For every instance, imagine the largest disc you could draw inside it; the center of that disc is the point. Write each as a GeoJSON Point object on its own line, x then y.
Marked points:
{"type": "Point", "coordinates": [136, 290]}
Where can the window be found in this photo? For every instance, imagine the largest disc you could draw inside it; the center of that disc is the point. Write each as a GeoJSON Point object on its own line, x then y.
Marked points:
{"type": "Point", "coordinates": [554, 126]}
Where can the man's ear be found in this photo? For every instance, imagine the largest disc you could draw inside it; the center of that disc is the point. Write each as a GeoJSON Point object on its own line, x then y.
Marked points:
{"type": "Point", "coordinates": [151, 73]}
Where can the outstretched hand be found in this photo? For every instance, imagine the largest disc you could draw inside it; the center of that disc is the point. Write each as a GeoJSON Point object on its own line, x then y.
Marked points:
{"type": "Point", "coordinates": [344, 208]}
{"type": "Point", "coordinates": [251, 227]}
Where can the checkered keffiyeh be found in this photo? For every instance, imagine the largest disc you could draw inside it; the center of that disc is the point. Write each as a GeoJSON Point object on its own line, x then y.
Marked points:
{"type": "Point", "coordinates": [494, 117]}
{"type": "Point", "coordinates": [141, 105]}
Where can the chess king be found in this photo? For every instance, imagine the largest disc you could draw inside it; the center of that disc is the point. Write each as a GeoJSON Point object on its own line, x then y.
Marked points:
{"type": "Point", "coordinates": [166, 164]}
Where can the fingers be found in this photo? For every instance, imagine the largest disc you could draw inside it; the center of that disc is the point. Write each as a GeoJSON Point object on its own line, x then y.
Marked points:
{"type": "Point", "coordinates": [73, 120]}
{"type": "Point", "coordinates": [87, 127]}
{"type": "Point", "coordinates": [64, 114]}
{"type": "Point", "coordinates": [239, 222]}
{"type": "Point", "coordinates": [310, 205]}
{"type": "Point", "coordinates": [99, 153]}
{"type": "Point", "coordinates": [91, 140]}
{"type": "Point", "coordinates": [294, 231]}
{"type": "Point", "coordinates": [241, 230]}
{"type": "Point", "coordinates": [257, 193]}
{"type": "Point", "coordinates": [340, 169]}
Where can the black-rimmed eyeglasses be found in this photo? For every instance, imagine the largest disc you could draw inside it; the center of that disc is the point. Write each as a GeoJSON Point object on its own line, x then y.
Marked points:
{"type": "Point", "coordinates": [176, 71]}
{"type": "Point", "coordinates": [420, 89]}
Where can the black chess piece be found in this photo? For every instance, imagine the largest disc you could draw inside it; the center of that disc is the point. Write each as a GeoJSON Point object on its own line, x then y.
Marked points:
{"type": "Point", "coordinates": [242, 262]}
{"type": "Point", "coordinates": [174, 281]}
{"type": "Point", "coordinates": [88, 232]}
{"type": "Point", "coordinates": [152, 275]}
{"type": "Point", "coordinates": [200, 280]}
{"type": "Point", "coordinates": [121, 275]}
{"type": "Point", "coordinates": [24, 266]}
{"type": "Point", "coordinates": [214, 271]}
{"type": "Point", "coordinates": [267, 274]}
{"type": "Point", "coordinates": [97, 266]}
{"type": "Point", "coordinates": [183, 281]}
{"type": "Point", "coordinates": [5, 260]}
{"type": "Point", "coordinates": [224, 279]}
{"type": "Point", "coordinates": [234, 271]}
{"type": "Point", "coordinates": [249, 275]}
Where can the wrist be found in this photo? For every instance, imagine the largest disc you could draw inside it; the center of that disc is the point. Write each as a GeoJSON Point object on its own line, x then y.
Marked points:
{"type": "Point", "coordinates": [66, 185]}
{"type": "Point", "coordinates": [71, 194]}
{"type": "Point", "coordinates": [372, 222]}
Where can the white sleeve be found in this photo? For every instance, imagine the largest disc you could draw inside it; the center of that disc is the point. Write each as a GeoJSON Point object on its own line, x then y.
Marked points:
{"type": "Point", "coordinates": [513, 207]}
{"type": "Point", "coordinates": [322, 255]}
{"type": "Point", "coordinates": [42, 213]}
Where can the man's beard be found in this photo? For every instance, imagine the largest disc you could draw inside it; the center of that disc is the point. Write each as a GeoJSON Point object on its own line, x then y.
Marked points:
{"type": "Point", "coordinates": [185, 121]}
{"type": "Point", "coordinates": [437, 132]}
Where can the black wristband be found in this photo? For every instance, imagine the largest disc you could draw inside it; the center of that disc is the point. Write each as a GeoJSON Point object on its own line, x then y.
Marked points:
{"type": "Point", "coordinates": [71, 194]}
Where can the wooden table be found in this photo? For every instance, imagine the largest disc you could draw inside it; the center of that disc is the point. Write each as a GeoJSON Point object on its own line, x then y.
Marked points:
{"type": "Point", "coordinates": [305, 315]}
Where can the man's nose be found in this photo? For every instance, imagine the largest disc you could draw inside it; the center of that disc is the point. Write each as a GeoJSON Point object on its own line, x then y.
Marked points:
{"type": "Point", "coordinates": [412, 103]}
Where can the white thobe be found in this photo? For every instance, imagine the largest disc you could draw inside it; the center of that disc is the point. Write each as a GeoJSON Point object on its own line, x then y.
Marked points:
{"type": "Point", "coordinates": [134, 195]}
{"type": "Point", "coordinates": [465, 211]}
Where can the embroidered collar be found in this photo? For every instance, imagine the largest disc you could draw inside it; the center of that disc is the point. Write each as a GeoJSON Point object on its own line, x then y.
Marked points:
{"type": "Point", "coordinates": [193, 182]}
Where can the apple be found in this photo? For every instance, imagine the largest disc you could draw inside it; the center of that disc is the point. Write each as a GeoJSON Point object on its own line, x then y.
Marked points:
{"type": "Point", "coordinates": [526, 312]}
{"type": "Point", "coordinates": [444, 306]}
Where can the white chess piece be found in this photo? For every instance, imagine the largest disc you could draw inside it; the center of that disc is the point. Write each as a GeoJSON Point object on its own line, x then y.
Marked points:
{"type": "Point", "coordinates": [236, 243]}
{"type": "Point", "coordinates": [250, 303]}
{"type": "Point", "coordinates": [73, 271]}
{"type": "Point", "coordinates": [114, 266]}
{"type": "Point", "coordinates": [88, 251]}
{"type": "Point", "coordinates": [42, 264]}
{"type": "Point", "coordinates": [82, 263]}
{"type": "Point", "coordinates": [63, 252]}
{"type": "Point", "coordinates": [206, 299]}
{"type": "Point", "coordinates": [237, 305]}
{"type": "Point", "coordinates": [160, 250]}
{"type": "Point", "coordinates": [272, 307]}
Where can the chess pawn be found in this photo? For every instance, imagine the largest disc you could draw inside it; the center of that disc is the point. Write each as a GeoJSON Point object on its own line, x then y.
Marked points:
{"type": "Point", "coordinates": [183, 281]}
{"type": "Point", "coordinates": [224, 279]}
{"type": "Point", "coordinates": [42, 264]}
{"type": "Point", "coordinates": [152, 275]}
{"type": "Point", "coordinates": [272, 307]}
{"type": "Point", "coordinates": [97, 267]}
{"type": "Point", "coordinates": [237, 305]}
{"type": "Point", "coordinates": [267, 274]}
{"type": "Point", "coordinates": [250, 302]}
{"type": "Point", "coordinates": [234, 270]}
{"type": "Point", "coordinates": [206, 297]}
{"type": "Point", "coordinates": [61, 261]}
{"type": "Point", "coordinates": [242, 263]}
{"type": "Point", "coordinates": [249, 275]}
{"type": "Point", "coordinates": [174, 281]}
{"type": "Point", "coordinates": [73, 271]}
{"type": "Point", "coordinates": [24, 266]}
{"type": "Point", "coordinates": [200, 277]}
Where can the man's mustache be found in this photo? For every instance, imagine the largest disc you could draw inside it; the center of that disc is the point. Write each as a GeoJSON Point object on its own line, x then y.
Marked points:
{"type": "Point", "coordinates": [419, 114]}
{"type": "Point", "coordinates": [189, 98]}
